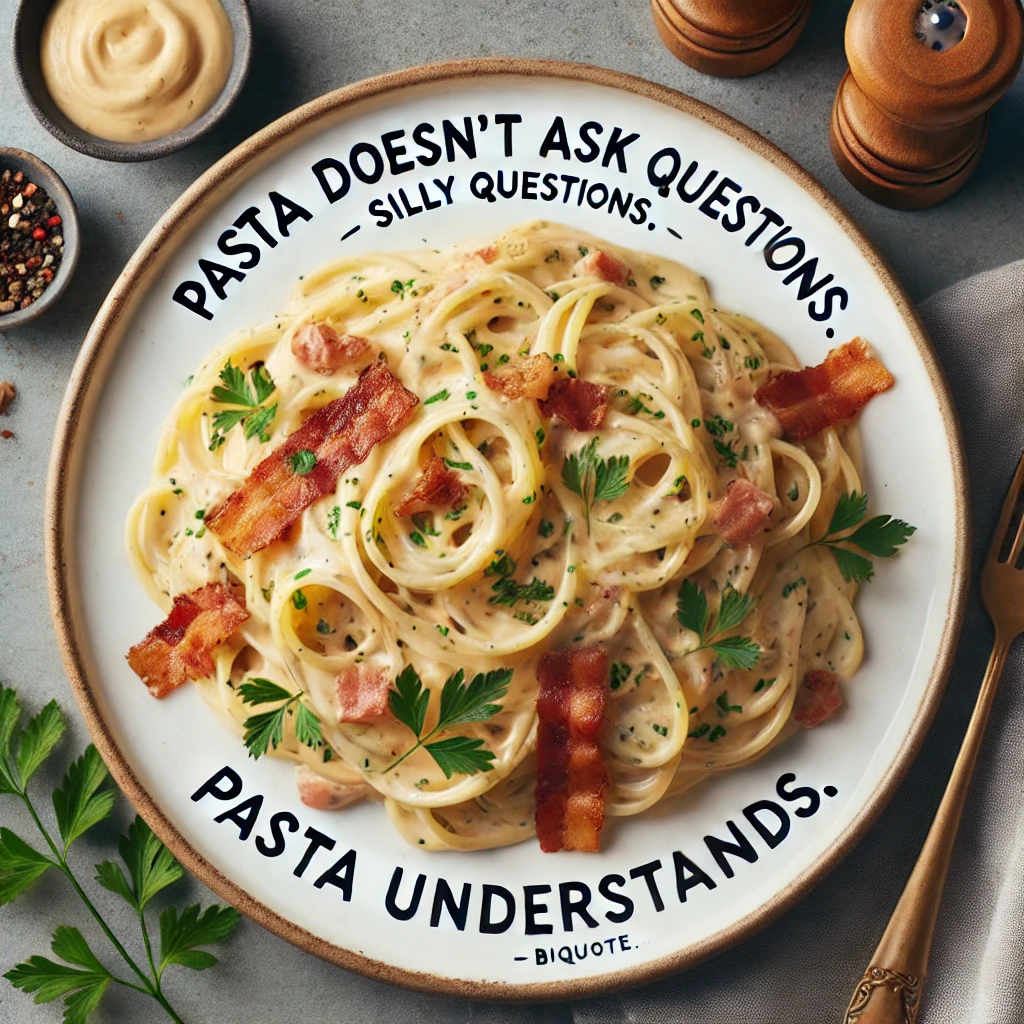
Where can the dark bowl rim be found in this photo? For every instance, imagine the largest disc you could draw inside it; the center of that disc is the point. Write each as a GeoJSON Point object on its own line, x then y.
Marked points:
{"type": "Point", "coordinates": [61, 195]}
{"type": "Point", "coordinates": [134, 152]}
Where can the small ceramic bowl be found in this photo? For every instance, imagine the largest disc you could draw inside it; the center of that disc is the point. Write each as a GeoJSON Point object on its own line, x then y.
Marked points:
{"type": "Point", "coordinates": [28, 28]}
{"type": "Point", "coordinates": [46, 178]}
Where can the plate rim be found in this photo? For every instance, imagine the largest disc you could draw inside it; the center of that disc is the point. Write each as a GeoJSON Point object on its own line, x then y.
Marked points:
{"type": "Point", "coordinates": [93, 363]}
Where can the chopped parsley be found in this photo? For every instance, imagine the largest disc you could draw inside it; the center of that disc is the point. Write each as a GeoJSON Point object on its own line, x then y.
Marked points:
{"type": "Point", "coordinates": [334, 521]}
{"type": "Point", "coordinates": [303, 462]}
{"type": "Point", "coordinates": [619, 674]}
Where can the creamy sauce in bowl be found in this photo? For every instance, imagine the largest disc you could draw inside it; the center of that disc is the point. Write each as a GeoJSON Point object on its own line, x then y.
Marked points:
{"type": "Point", "coordinates": [136, 70]}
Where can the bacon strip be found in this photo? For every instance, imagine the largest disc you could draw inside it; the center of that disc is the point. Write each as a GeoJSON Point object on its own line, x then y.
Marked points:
{"type": "Point", "coordinates": [326, 794]}
{"type": "Point", "coordinates": [340, 435]}
{"type": "Point", "coordinates": [605, 266]}
{"type": "Point", "coordinates": [818, 698]}
{"type": "Point", "coordinates": [578, 402]}
{"type": "Point", "coordinates": [438, 488]}
{"type": "Point", "coordinates": [809, 400]}
{"type": "Point", "coordinates": [742, 512]}
{"type": "Point", "coordinates": [571, 777]}
{"type": "Point", "coordinates": [361, 694]}
{"type": "Point", "coordinates": [532, 378]}
{"type": "Point", "coordinates": [181, 647]}
{"type": "Point", "coordinates": [319, 347]}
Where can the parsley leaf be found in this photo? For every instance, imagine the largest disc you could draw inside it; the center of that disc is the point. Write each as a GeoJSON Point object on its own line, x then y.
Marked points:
{"type": "Point", "coordinates": [151, 865]}
{"type": "Point", "coordinates": [82, 989]}
{"type": "Point", "coordinates": [303, 462]}
{"type": "Point", "coordinates": [256, 425]}
{"type": "Point", "coordinates": [595, 479]}
{"type": "Point", "coordinates": [38, 740]}
{"type": "Point", "coordinates": [850, 510]}
{"type": "Point", "coordinates": [692, 608]}
{"type": "Point", "coordinates": [737, 652]}
{"type": "Point", "coordinates": [180, 935]}
{"type": "Point", "coordinates": [693, 614]}
{"type": "Point", "coordinates": [461, 755]}
{"type": "Point", "coordinates": [234, 390]}
{"type": "Point", "coordinates": [408, 700]}
{"type": "Point", "coordinates": [10, 714]}
{"type": "Point", "coordinates": [267, 728]}
{"type": "Point", "coordinates": [881, 536]}
{"type": "Point", "coordinates": [80, 803]}
{"type": "Point", "coordinates": [461, 703]}
{"type": "Point", "coordinates": [853, 567]}
{"type": "Point", "coordinates": [263, 383]}
{"type": "Point", "coordinates": [20, 865]}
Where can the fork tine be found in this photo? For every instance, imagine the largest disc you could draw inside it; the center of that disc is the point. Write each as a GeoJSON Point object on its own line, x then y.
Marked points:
{"type": "Point", "coordinates": [1002, 539]}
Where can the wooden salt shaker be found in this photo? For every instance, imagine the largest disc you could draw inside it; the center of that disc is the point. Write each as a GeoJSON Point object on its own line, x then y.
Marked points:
{"type": "Point", "coordinates": [730, 38]}
{"type": "Point", "coordinates": [911, 114]}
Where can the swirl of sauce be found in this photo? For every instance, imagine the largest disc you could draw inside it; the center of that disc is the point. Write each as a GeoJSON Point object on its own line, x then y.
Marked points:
{"type": "Point", "coordinates": [135, 70]}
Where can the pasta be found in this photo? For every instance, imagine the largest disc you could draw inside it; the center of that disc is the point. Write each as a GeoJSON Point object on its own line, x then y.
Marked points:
{"type": "Point", "coordinates": [690, 482]}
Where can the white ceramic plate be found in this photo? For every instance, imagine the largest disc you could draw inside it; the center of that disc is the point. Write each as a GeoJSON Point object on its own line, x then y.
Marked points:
{"type": "Point", "coordinates": [829, 783]}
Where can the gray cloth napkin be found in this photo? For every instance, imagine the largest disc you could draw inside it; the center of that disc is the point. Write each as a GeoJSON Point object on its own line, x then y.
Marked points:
{"type": "Point", "coordinates": [802, 969]}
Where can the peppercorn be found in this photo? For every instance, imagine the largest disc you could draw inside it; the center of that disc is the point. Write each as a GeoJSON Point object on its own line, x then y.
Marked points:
{"type": "Point", "coordinates": [30, 255]}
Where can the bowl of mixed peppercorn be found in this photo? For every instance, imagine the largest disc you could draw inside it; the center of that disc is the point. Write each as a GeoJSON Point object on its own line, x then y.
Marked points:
{"type": "Point", "coordinates": [38, 237]}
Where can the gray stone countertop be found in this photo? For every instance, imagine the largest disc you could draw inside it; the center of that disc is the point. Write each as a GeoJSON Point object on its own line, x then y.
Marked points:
{"type": "Point", "coordinates": [304, 48]}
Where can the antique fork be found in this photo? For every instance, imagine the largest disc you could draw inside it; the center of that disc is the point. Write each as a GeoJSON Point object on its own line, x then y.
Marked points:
{"type": "Point", "coordinates": [890, 991]}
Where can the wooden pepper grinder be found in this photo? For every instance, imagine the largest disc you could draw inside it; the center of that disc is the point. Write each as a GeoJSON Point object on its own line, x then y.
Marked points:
{"type": "Point", "coordinates": [730, 38]}
{"type": "Point", "coordinates": [911, 114]}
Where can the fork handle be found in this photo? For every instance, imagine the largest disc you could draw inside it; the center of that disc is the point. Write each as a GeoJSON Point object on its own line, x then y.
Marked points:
{"type": "Point", "coordinates": [890, 990]}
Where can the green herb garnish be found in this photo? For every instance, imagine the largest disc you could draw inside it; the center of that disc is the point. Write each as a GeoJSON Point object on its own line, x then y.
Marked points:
{"type": "Point", "coordinates": [595, 479]}
{"type": "Point", "coordinates": [303, 462]}
{"type": "Point", "coordinates": [881, 536]}
{"type": "Point", "coordinates": [267, 728]}
{"type": "Point", "coordinates": [693, 613]}
{"type": "Point", "coordinates": [461, 703]}
{"type": "Point", "coordinates": [334, 521]}
{"type": "Point", "coordinates": [235, 389]}
{"type": "Point", "coordinates": [619, 674]}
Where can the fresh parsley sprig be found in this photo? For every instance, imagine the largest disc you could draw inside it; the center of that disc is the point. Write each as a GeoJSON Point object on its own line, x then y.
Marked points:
{"type": "Point", "coordinates": [82, 801]}
{"type": "Point", "coordinates": [461, 703]}
{"type": "Point", "coordinates": [267, 728]}
{"type": "Point", "coordinates": [881, 536]}
{"type": "Point", "coordinates": [234, 390]}
{"type": "Point", "coordinates": [595, 479]}
{"type": "Point", "coordinates": [692, 612]}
